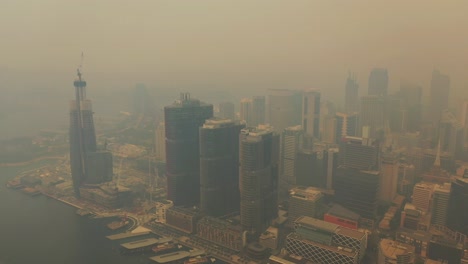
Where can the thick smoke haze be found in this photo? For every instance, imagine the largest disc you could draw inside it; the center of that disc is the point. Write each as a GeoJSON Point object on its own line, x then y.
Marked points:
{"type": "Point", "coordinates": [237, 48]}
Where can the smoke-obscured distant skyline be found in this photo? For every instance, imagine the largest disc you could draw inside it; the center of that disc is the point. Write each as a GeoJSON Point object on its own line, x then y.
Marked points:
{"type": "Point", "coordinates": [301, 41]}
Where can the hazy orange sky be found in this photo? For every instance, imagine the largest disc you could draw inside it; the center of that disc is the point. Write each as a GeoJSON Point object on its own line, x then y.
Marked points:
{"type": "Point", "coordinates": [298, 42]}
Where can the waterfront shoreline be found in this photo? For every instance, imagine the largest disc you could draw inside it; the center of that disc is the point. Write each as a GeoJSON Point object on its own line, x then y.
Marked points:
{"type": "Point", "coordinates": [28, 162]}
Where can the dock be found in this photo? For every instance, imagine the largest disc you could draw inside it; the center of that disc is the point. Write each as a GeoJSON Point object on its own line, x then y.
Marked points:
{"type": "Point", "coordinates": [126, 235]}
{"type": "Point", "coordinates": [169, 257]}
{"type": "Point", "coordinates": [196, 252]}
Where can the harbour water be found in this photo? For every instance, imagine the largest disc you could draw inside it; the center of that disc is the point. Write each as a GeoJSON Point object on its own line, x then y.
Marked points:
{"type": "Point", "coordinates": [42, 230]}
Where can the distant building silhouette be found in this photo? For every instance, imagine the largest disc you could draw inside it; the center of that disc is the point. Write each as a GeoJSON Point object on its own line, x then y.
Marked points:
{"type": "Point", "coordinates": [245, 111]}
{"type": "Point", "coordinates": [378, 82]}
{"type": "Point", "coordinates": [284, 108]}
{"type": "Point", "coordinates": [351, 95]}
{"type": "Point", "coordinates": [258, 110]}
{"type": "Point", "coordinates": [311, 114]}
{"type": "Point", "coordinates": [226, 110]}
{"type": "Point", "coordinates": [372, 115]}
{"type": "Point", "coordinates": [182, 121]}
{"type": "Point", "coordinates": [411, 96]}
{"type": "Point", "coordinates": [440, 89]}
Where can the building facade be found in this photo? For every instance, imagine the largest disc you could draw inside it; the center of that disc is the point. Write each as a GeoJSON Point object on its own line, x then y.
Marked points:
{"type": "Point", "coordinates": [182, 121]}
{"type": "Point", "coordinates": [219, 166]}
{"type": "Point", "coordinates": [258, 176]}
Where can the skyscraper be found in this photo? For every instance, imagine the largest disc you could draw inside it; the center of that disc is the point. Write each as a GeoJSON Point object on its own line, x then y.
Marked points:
{"type": "Point", "coordinates": [358, 153]}
{"type": "Point", "coordinates": [226, 110]}
{"type": "Point", "coordinates": [219, 166]}
{"type": "Point", "coordinates": [422, 195]}
{"type": "Point", "coordinates": [357, 190]}
{"type": "Point", "coordinates": [372, 115]}
{"type": "Point", "coordinates": [346, 125]}
{"type": "Point", "coordinates": [245, 112]}
{"type": "Point", "coordinates": [258, 175]}
{"type": "Point", "coordinates": [440, 89]}
{"type": "Point", "coordinates": [284, 108]}
{"type": "Point", "coordinates": [378, 82]}
{"type": "Point", "coordinates": [311, 113]}
{"type": "Point", "coordinates": [351, 95]}
{"type": "Point", "coordinates": [82, 134]}
{"type": "Point", "coordinates": [389, 176]}
{"type": "Point", "coordinates": [291, 144]}
{"type": "Point", "coordinates": [440, 204]}
{"type": "Point", "coordinates": [160, 142]}
{"type": "Point", "coordinates": [411, 96]}
{"type": "Point", "coordinates": [182, 121]}
{"type": "Point", "coordinates": [304, 202]}
{"type": "Point", "coordinates": [258, 110]}
{"type": "Point", "coordinates": [458, 207]}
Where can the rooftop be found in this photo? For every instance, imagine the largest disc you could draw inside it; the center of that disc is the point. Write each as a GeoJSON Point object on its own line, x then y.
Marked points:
{"type": "Point", "coordinates": [310, 194]}
{"type": "Point", "coordinates": [340, 211]}
{"type": "Point", "coordinates": [214, 123]}
{"type": "Point", "coordinates": [140, 243]}
{"type": "Point", "coordinates": [391, 249]}
{"type": "Point", "coordinates": [340, 250]}
{"type": "Point", "coordinates": [316, 224]}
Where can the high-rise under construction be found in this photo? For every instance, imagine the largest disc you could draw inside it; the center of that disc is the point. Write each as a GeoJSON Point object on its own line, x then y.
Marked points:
{"type": "Point", "coordinates": [82, 134]}
{"type": "Point", "coordinates": [90, 166]}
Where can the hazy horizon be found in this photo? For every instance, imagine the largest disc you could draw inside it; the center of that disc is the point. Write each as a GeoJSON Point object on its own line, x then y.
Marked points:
{"type": "Point", "coordinates": [238, 47]}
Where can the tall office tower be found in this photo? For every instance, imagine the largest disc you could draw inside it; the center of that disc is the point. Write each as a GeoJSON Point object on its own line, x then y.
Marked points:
{"type": "Point", "coordinates": [440, 204]}
{"type": "Point", "coordinates": [389, 178]}
{"type": "Point", "coordinates": [411, 96]}
{"type": "Point", "coordinates": [406, 175]}
{"type": "Point", "coordinates": [82, 135]}
{"type": "Point", "coordinates": [378, 82]}
{"type": "Point", "coordinates": [332, 165]}
{"type": "Point", "coordinates": [258, 176]}
{"type": "Point", "coordinates": [141, 100]}
{"type": "Point", "coordinates": [458, 207]}
{"type": "Point", "coordinates": [372, 114]}
{"type": "Point", "coordinates": [312, 168]}
{"type": "Point", "coordinates": [258, 110]}
{"type": "Point", "coordinates": [358, 153]}
{"type": "Point", "coordinates": [422, 195]}
{"type": "Point", "coordinates": [182, 121]}
{"type": "Point", "coordinates": [328, 126]}
{"type": "Point", "coordinates": [311, 113]}
{"type": "Point", "coordinates": [161, 142]}
{"type": "Point", "coordinates": [452, 135]}
{"type": "Point", "coordinates": [284, 108]}
{"type": "Point", "coordinates": [464, 122]}
{"type": "Point", "coordinates": [304, 202]}
{"type": "Point", "coordinates": [357, 190]}
{"type": "Point", "coordinates": [291, 144]}
{"type": "Point", "coordinates": [346, 125]}
{"type": "Point", "coordinates": [395, 114]}
{"type": "Point", "coordinates": [219, 166]}
{"type": "Point", "coordinates": [322, 242]}
{"type": "Point", "coordinates": [464, 114]}
{"type": "Point", "coordinates": [351, 95]}
{"type": "Point", "coordinates": [245, 111]}
{"type": "Point", "coordinates": [327, 120]}
{"type": "Point", "coordinates": [226, 110]}
{"type": "Point", "coordinates": [445, 251]}
{"type": "Point", "coordinates": [440, 89]}
{"type": "Point", "coordinates": [394, 252]}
